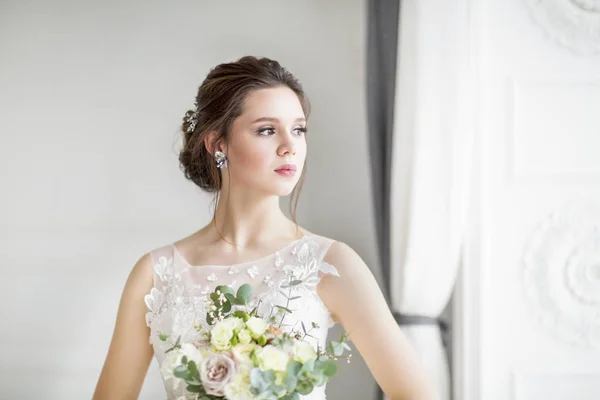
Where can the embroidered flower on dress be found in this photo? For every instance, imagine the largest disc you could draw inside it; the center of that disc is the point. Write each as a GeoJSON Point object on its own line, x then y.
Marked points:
{"type": "Point", "coordinates": [278, 260]}
{"type": "Point", "coordinates": [252, 271]}
{"type": "Point", "coordinates": [306, 250]}
{"type": "Point", "coordinates": [268, 280]}
{"type": "Point", "coordinates": [212, 277]}
{"type": "Point", "coordinates": [154, 302]}
{"type": "Point", "coordinates": [232, 270]}
{"type": "Point", "coordinates": [164, 268]}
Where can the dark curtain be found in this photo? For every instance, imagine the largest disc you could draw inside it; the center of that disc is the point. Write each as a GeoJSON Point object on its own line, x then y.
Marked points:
{"type": "Point", "coordinates": [382, 40]}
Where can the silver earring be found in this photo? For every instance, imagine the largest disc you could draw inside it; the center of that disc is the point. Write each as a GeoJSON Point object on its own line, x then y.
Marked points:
{"type": "Point", "coordinates": [221, 159]}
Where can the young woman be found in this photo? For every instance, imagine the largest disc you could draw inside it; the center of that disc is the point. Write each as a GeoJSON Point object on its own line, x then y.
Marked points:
{"type": "Point", "coordinates": [246, 142]}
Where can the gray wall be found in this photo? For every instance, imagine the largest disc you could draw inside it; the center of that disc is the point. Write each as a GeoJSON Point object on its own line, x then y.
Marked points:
{"type": "Point", "coordinates": [91, 96]}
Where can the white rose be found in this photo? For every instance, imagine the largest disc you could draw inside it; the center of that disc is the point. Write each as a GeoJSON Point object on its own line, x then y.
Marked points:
{"type": "Point", "coordinates": [257, 326]}
{"type": "Point", "coordinates": [241, 353]}
{"type": "Point", "coordinates": [221, 335]}
{"type": "Point", "coordinates": [172, 360]}
{"type": "Point", "coordinates": [239, 387]}
{"type": "Point", "coordinates": [303, 351]}
{"type": "Point", "coordinates": [191, 352]}
{"type": "Point", "coordinates": [270, 357]}
{"type": "Point", "coordinates": [244, 336]}
{"type": "Point", "coordinates": [235, 323]}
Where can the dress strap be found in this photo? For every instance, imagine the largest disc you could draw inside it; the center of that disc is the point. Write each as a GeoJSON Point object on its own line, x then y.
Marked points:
{"type": "Point", "coordinates": [324, 245]}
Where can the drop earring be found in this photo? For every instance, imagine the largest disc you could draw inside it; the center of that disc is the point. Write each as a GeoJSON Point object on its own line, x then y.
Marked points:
{"type": "Point", "coordinates": [221, 159]}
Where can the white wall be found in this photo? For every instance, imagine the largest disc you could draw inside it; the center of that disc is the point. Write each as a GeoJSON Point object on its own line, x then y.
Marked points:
{"type": "Point", "coordinates": [91, 97]}
{"type": "Point", "coordinates": [537, 120]}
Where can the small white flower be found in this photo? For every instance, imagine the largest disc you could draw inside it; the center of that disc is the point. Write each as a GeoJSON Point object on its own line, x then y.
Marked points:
{"type": "Point", "coordinates": [232, 270]}
{"type": "Point", "coordinates": [212, 277]}
{"type": "Point", "coordinates": [252, 271]}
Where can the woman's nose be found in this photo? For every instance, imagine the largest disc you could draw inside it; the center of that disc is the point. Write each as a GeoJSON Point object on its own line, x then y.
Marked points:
{"type": "Point", "coordinates": [288, 145]}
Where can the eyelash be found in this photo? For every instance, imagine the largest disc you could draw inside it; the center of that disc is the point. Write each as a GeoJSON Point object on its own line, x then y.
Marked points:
{"type": "Point", "coordinates": [259, 132]}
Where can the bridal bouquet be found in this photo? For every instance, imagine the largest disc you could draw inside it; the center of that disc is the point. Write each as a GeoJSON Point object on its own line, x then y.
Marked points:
{"type": "Point", "coordinates": [245, 356]}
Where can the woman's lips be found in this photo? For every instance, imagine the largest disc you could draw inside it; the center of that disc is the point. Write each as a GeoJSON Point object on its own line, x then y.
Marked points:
{"type": "Point", "coordinates": [286, 172]}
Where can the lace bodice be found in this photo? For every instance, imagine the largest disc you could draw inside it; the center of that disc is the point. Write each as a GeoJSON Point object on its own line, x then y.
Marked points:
{"type": "Point", "coordinates": [178, 300]}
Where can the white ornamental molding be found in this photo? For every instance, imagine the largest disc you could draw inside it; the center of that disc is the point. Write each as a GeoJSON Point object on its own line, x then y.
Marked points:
{"type": "Point", "coordinates": [562, 273]}
{"type": "Point", "coordinates": [572, 23]}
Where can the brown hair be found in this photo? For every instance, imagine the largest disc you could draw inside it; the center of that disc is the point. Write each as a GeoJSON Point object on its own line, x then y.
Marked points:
{"type": "Point", "coordinates": [220, 101]}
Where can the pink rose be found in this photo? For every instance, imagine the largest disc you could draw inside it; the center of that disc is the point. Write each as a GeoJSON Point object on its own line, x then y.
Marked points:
{"type": "Point", "coordinates": [216, 371]}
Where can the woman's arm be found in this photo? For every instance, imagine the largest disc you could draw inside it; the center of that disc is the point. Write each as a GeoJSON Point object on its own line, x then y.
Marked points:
{"type": "Point", "coordinates": [357, 303]}
{"type": "Point", "coordinates": [130, 353]}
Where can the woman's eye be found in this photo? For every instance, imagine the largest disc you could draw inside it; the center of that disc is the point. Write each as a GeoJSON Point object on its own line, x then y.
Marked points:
{"type": "Point", "coordinates": [269, 131]}
{"type": "Point", "coordinates": [301, 131]}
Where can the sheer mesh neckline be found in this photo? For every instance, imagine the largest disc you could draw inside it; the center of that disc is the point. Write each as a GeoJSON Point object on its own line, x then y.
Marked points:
{"type": "Point", "coordinates": [178, 253]}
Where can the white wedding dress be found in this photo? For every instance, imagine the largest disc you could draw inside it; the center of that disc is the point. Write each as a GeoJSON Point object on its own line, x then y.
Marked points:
{"type": "Point", "coordinates": [177, 301]}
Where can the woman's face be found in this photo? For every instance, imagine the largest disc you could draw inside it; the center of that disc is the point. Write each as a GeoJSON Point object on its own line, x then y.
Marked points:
{"type": "Point", "coordinates": [269, 134]}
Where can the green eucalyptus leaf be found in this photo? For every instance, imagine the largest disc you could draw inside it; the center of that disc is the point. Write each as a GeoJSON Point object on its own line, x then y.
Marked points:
{"type": "Point", "coordinates": [294, 368]}
{"type": "Point", "coordinates": [226, 289]}
{"type": "Point", "coordinates": [338, 349]}
{"type": "Point", "coordinates": [195, 389]}
{"type": "Point", "coordinates": [304, 387]}
{"type": "Point", "coordinates": [269, 376]}
{"type": "Point", "coordinates": [231, 298]}
{"type": "Point", "coordinates": [244, 294]}
{"type": "Point", "coordinates": [290, 382]}
{"type": "Point", "coordinates": [308, 366]}
{"type": "Point", "coordinates": [181, 371]}
{"type": "Point", "coordinates": [193, 368]}
{"type": "Point", "coordinates": [287, 310]}
{"type": "Point", "coordinates": [258, 381]}
{"type": "Point", "coordinates": [329, 367]}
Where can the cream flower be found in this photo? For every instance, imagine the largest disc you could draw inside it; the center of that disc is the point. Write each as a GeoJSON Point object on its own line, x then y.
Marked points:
{"type": "Point", "coordinates": [241, 353]}
{"type": "Point", "coordinates": [172, 360]}
{"type": "Point", "coordinates": [270, 357]}
{"type": "Point", "coordinates": [222, 333]}
{"type": "Point", "coordinates": [191, 352]}
{"type": "Point", "coordinates": [303, 351]}
{"type": "Point", "coordinates": [239, 387]}
{"type": "Point", "coordinates": [257, 326]}
{"type": "Point", "coordinates": [244, 336]}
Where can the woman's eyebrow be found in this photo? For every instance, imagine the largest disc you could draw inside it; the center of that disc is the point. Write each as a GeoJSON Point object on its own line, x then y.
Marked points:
{"type": "Point", "coordinates": [269, 119]}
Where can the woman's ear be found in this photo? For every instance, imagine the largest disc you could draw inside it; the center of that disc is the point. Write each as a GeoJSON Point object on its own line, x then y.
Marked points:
{"type": "Point", "coordinates": [209, 143]}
